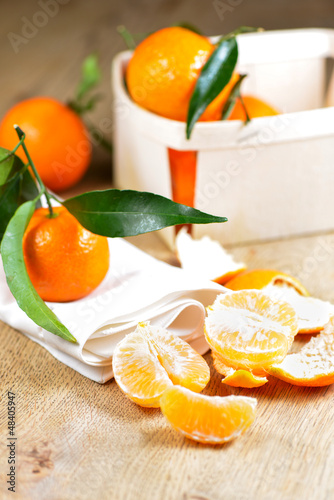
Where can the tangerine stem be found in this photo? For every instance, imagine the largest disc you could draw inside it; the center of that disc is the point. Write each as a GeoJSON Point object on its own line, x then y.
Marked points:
{"type": "Point", "coordinates": [127, 37]}
{"type": "Point", "coordinates": [22, 137]}
{"type": "Point", "coordinates": [17, 145]}
{"type": "Point", "coordinates": [13, 151]}
{"type": "Point", "coordinates": [245, 109]}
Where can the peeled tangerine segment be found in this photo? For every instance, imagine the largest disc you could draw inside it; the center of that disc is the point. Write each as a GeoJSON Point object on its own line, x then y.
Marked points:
{"type": "Point", "coordinates": [149, 360]}
{"type": "Point", "coordinates": [249, 330]}
{"type": "Point", "coordinates": [313, 365]}
{"type": "Point", "coordinates": [206, 258]}
{"type": "Point", "coordinates": [237, 378]}
{"type": "Point", "coordinates": [313, 314]}
{"type": "Point", "coordinates": [208, 419]}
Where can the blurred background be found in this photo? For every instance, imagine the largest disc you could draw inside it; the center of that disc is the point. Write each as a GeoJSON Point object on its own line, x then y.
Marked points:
{"type": "Point", "coordinates": [43, 42]}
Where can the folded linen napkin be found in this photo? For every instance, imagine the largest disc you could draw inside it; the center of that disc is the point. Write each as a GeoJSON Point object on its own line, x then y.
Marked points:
{"type": "Point", "coordinates": [136, 288]}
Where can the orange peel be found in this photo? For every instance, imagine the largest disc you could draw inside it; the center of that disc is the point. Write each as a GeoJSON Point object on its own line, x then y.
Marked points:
{"type": "Point", "coordinates": [260, 278]}
{"type": "Point", "coordinates": [313, 314]}
{"type": "Point", "coordinates": [206, 258]}
{"type": "Point", "coordinates": [313, 365]}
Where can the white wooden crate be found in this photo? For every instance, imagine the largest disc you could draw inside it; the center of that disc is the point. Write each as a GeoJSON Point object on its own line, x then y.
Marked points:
{"type": "Point", "coordinates": [272, 178]}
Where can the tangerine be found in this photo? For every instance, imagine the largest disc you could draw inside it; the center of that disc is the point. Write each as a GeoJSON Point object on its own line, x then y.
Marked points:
{"type": "Point", "coordinates": [163, 71]}
{"type": "Point", "coordinates": [64, 260]}
{"type": "Point", "coordinates": [250, 331]}
{"type": "Point", "coordinates": [255, 108]}
{"type": "Point", "coordinates": [56, 138]}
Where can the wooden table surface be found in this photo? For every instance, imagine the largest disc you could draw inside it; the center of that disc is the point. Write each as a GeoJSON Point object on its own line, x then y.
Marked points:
{"type": "Point", "coordinates": [78, 440]}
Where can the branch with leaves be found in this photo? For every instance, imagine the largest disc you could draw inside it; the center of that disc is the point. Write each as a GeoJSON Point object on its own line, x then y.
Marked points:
{"type": "Point", "coordinates": [112, 213]}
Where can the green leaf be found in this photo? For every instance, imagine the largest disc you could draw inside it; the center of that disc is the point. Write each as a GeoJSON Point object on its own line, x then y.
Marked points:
{"type": "Point", "coordinates": [215, 75]}
{"type": "Point", "coordinates": [9, 202]}
{"type": "Point", "coordinates": [9, 165]}
{"type": "Point", "coordinates": [17, 277]}
{"type": "Point", "coordinates": [29, 189]}
{"type": "Point", "coordinates": [91, 76]}
{"type": "Point", "coordinates": [116, 213]}
{"type": "Point", "coordinates": [189, 26]}
{"type": "Point", "coordinates": [231, 100]}
{"type": "Point", "coordinates": [6, 164]}
{"type": "Point", "coordinates": [19, 188]}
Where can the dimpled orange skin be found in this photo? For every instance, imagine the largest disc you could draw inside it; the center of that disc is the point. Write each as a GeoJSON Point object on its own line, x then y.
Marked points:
{"type": "Point", "coordinates": [65, 262]}
{"type": "Point", "coordinates": [164, 68]}
{"type": "Point", "coordinates": [56, 138]}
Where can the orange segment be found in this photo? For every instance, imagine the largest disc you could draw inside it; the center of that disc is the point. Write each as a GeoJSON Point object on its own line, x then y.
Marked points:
{"type": "Point", "coordinates": [206, 258]}
{"type": "Point", "coordinates": [245, 379]}
{"type": "Point", "coordinates": [207, 419]}
{"type": "Point", "coordinates": [259, 278]}
{"type": "Point", "coordinates": [313, 314]}
{"type": "Point", "coordinates": [237, 378]}
{"type": "Point", "coordinates": [313, 365]}
{"type": "Point", "coordinates": [249, 330]}
{"type": "Point", "coordinates": [149, 360]}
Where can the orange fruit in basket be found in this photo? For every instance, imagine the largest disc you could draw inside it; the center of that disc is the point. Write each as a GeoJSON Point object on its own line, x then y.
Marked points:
{"type": "Point", "coordinates": [260, 278]}
{"type": "Point", "coordinates": [56, 138]}
{"type": "Point", "coordinates": [250, 331]}
{"type": "Point", "coordinates": [313, 365]}
{"type": "Point", "coordinates": [255, 109]}
{"type": "Point", "coordinates": [163, 70]}
{"type": "Point", "coordinates": [238, 378]}
{"type": "Point", "coordinates": [207, 419]}
{"type": "Point", "coordinates": [64, 261]}
{"type": "Point", "coordinates": [149, 360]}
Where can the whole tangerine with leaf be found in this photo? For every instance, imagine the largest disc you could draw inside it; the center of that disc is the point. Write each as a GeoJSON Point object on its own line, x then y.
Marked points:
{"type": "Point", "coordinates": [163, 71]}
{"type": "Point", "coordinates": [62, 253]}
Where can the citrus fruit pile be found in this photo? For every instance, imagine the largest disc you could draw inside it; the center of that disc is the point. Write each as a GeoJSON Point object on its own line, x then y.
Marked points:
{"type": "Point", "coordinates": [156, 369]}
{"type": "Point", "coordinates": [250, 329]}
{"type": "Point", "coordinates": [251, 332]}
{"type": "Point", "coordinates": [239, 355]}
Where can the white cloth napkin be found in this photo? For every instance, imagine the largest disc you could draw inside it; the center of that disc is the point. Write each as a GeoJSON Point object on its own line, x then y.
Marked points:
{"type": "Point", "coordinates": [136, 288]}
